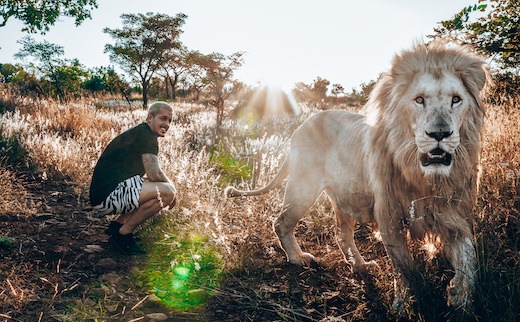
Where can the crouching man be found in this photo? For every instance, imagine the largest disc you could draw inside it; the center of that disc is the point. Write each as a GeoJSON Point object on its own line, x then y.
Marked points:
{"type": "Point", "coordinates": [118, 184]}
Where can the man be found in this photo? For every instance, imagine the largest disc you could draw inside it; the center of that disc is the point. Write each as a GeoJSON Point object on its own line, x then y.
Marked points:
{"type": "Point", "coordinates": [118, 184]}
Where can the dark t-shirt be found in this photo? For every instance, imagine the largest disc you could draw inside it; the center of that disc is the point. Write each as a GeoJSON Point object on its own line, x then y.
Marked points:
{"type": "Point", "coordinates": [122, 160]}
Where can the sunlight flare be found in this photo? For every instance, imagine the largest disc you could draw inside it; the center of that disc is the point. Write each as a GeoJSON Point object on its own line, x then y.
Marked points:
{"type": "Point", "coordinates": [266, 102]}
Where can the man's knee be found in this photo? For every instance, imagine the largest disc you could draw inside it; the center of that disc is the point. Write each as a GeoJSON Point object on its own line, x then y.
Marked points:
{"type": "Point", "coordinates": [164, 191]}
{"type": "Point", "coordinates": [168, 193]}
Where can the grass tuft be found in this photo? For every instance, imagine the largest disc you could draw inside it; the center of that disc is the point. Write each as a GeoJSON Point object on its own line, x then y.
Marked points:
{"type": "Point", "coordinates": [7, 242]}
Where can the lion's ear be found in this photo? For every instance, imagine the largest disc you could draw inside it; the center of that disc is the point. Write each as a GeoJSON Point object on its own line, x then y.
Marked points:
{"type": "Point", "coordinates": [481, 76]}
{"type": "Point", "coordinates": [474, 74]}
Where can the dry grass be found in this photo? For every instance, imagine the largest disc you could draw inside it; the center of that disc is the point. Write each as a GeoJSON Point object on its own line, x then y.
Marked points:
{"type": "Point", "coordinates": [498, 214]}
{"type": "Point", "coordinates": [13, 196]}
{"type": "Point", "coordinates": [65, 142]}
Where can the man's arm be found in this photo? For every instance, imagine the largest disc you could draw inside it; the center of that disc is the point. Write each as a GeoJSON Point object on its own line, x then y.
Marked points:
{"type": "Point", "coordinates": [152, 168]}
{"type": "Point", "coordinates": [155, 173]}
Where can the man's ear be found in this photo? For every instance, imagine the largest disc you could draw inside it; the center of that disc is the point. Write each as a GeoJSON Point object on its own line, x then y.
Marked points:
{"type": "Point", "coordinates": [149, 118]}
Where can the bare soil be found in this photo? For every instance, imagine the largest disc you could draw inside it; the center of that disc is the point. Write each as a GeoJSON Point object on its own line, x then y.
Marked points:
{"type": "Point", "coordinates": [61, 264]}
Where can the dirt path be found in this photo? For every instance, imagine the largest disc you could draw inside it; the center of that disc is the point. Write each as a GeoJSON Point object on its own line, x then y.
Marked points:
{"type": "Point", "coordinates": [60, 265]}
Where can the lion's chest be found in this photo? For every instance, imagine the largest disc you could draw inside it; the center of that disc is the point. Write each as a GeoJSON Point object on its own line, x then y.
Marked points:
{"type": "Point", "coordinates": [431, 214]}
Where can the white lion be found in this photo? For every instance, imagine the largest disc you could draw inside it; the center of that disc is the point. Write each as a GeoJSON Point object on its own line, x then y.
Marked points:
{"type": "Point", "coordinates": [411, 166]}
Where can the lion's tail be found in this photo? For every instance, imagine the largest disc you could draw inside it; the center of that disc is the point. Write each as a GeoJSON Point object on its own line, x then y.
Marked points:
{"type": "Point", "coordinates": [232, 192]}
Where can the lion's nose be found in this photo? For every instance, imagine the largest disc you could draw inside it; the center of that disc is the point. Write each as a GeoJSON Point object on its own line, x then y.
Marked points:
{"type": "Point", "coordinates": [439, 136]}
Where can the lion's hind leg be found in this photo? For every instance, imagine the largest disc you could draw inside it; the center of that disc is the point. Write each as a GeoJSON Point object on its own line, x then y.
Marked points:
{"type": "Point", "coordinates": [347, 244]}
{"type": "Point", "coordinates": [299, 197]}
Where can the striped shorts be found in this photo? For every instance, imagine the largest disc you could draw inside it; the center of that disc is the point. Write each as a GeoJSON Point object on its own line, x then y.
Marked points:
{"type": "Point", "coordinates": [124, 198]}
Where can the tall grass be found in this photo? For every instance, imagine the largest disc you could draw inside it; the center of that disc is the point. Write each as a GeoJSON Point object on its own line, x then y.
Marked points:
{"type": "Point", "coordinates": [64, 142]}
{"type": "Point", "coordinates": [498, 214]}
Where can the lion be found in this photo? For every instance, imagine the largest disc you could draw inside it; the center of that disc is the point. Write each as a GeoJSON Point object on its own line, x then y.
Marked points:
{"type": "Point", "coordinates": [410, 164]}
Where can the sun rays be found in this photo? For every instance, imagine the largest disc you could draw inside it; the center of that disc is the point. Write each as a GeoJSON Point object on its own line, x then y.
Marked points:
{"type": "Point", "coordinates": [267, 101]}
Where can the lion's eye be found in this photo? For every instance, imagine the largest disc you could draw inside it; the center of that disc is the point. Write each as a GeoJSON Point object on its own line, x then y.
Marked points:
{"type": "Point", "coordinates": [419, 100]}
{"type": "Point", "coordinates": [456, 99]}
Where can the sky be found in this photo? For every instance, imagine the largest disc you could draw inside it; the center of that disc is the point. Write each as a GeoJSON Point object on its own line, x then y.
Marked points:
{"type": "Point", "coordinates": [286, 41]}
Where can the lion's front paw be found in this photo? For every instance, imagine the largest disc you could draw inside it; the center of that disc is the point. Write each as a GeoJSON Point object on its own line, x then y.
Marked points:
{"type": "Point", "coordinates": [303, 259]}
{"type": "Point", "coordinates": [458, 296]}
{"type": "Point", "coordinates": [398, 305]}
{"type": "Point", "coordinates": [403, 304]}
{"type": "Point", "coordinates": [403, 300]}
{"type": "Point", "coordinates": [364, 267]}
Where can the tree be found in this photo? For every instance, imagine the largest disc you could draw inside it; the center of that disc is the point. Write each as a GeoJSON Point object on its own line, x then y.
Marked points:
{"type": "Point", "coordinates": [320, 88]}
{"type": "Point", "coordinates": [106, 80]}
{"type": "Point", "coordinates": [96, 80]}
{"type": "Point", "coordinates": [302, 92]}
{"type": "Point", "coordinates": [496, 34]}
{"type": "Point", "coordinates": [175, 65]}
{"type": "Point", "coordinates": [219, 76]}
{"type": "Point", "coordinates": [45, 55]}
{"type": "Point", "coordinates": [64, 76]}
{"type": "Point", "coordinates": [24, 82]}
{"type": "Point", "coordinates": [313, 94]}
{"type": "Point", "coordinates": [116, 84]}
{"type": "Point", "coordinates": [196, 72]}
{"type": "Point", "coordinates": [67, 79]}
{"type": "Point", "coordinates": [38, 15]}
{"type": "Point", "coordinates": [337, 89]}
{"type": "Point", "coordinates": [8, 72]}
{"type": "Point", "coordinates": [143, 45]}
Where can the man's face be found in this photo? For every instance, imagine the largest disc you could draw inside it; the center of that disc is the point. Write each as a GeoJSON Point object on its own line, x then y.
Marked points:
{"type": "Point", "coordinates": [160, 123]}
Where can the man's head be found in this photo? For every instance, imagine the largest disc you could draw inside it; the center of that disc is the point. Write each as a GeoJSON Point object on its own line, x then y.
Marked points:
{"type": "Point", "coordinates": [159, 118]}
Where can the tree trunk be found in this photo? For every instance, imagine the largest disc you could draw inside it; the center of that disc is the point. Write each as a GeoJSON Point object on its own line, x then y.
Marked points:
{"type": "Point", "coordinates": [219, 103]}
{"type": "Point", "coordinates": [166, 83]}
{"type": "Point", "coordinates": [145, 95]}
{"type": "Point", "coordinates": [174, 85]}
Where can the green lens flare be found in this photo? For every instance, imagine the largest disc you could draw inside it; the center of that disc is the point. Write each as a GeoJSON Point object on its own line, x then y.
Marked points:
{"type": "Point", "coordinates": [177, 284]}
{"type": "Point", "coordinates": [184, 272]}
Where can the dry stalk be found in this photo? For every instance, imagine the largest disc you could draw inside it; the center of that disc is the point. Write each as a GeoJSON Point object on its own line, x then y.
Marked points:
{"type": "Point", "coordinates": [12, 288]}
{"type": "Point", "coordinates": [139, 303]}
{"type": "Point", "coordinates": [136, 319]}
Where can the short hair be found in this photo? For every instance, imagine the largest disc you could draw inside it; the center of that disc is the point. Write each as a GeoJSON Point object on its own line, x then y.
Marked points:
{"type": "Point", "coordinates": [154, 108]}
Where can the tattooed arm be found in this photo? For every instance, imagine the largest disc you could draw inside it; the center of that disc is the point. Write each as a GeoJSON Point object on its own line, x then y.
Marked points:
{"type": "Point", "coordinates": [155, 173]}
{"type": "Point", "coordinates": [152, 169]}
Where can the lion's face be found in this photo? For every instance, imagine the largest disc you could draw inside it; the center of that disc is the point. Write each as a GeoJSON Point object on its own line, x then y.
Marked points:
{"type": "Point", "coordinates": [439, 106]}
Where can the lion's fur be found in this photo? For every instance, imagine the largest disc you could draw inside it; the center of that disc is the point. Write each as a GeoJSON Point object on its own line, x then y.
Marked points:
{"type": "Point", "coordinates": [451, 195]}
{"type": "Point", "coordinates": [370, 166]}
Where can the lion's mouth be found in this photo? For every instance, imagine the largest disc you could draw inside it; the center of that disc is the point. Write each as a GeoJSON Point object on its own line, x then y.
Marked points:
{"type": "Point", "coordinates": [437, 156]}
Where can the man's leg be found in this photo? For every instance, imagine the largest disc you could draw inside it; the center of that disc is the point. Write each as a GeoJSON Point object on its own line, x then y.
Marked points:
{"type": "Point", "coordinates": [154, 197]}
